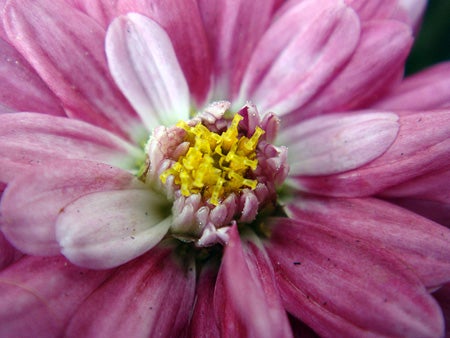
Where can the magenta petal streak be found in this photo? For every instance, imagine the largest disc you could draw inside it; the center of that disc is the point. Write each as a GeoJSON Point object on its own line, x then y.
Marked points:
{"type": "Point", "coordinates": [148, 297]}
{"type": "Point", "coordinates": [39, 295]}
{"type": "Point", "coordinates": [420, 243]}
{"type": "Point", "coordinates": [246, 300]}
{"type": "Point", "coordinates": [340, 286]}
{"type": "Point", "coordinates": [66, 48]}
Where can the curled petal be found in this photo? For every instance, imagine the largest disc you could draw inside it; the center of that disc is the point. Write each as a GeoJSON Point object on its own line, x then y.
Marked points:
{"type": "Point", "coordinates": [31, 203]}
{"type": "Point", "coordinates": [315, 38]}
{"type": "Point", "coordinates": [422, 146]}
{"type": "Point", "coordinates": [144, 65]}
{"type": "Point", "coordinates": [39, 295]}
{"type": "Point", "coordinates": [66, 48]}
{"type": "Point", "coordinates": [324, 277]}
{"type": "Point", "coordinates": [336, 143]}
{"type": "Point", "coordinates": [105, 229]}
{"type": "Point", "coordinates": [148, 297]}
{"type": "Point", "coordinates": [246, 300]}
{"type": "Point", "coordinates": [422, 244]}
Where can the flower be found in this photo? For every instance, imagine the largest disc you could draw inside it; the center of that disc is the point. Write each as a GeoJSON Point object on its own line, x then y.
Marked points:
{"type": "Point", "coordinates": [195, 169]}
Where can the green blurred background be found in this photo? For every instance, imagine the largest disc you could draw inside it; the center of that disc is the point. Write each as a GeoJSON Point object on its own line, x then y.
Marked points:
{"type": "Point", "coordinates": [432, 44]}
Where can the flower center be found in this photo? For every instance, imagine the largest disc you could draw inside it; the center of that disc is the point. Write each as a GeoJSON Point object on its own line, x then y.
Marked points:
{"type": "Point", "coordinates": [215, 165]}
{"type": "Point", "coordinates": [217, 170]}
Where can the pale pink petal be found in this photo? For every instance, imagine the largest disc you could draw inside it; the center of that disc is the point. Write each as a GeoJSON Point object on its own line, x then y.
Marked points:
{"type": "Point", "coordinates": [28, 139]}
{"type": "Point", "coordinates": [149, 297]}
{"type": "Point", "coordinates": [246, 299]}
{"type": "Point", "coordinates": [428, 89]}
{"type": "Point", "coordinates": [422, 244]}
{"type": "Point", "coordinates": [336, 283]}
{"type": "Point", "coordinates": [31, 203]}
{"type": "Point", "coordinates": [380, 55]}
{"type": "Point", "coordinates": [203, 324]}
{"type": "Point", "coordinates": [21, 89]}
{"type": "Point", "coordinates": [144, 65]}
{"type": "Point", "coordinates": [40, 294]}
{"type": "Point", "coordinates": [105, 229]}
{"type": "Point", "coordinates": [443, 297]}
{"type": "Point", "coordinates": [300, 52]}
{"type": "Point", "coordinates": [233, 29]}
{"type": "Point", "coordinates": [422, 146]}
{"type": "Point", "coordinates": [66, 48]}
{"type": "Point", "coordinates": [336, 143]}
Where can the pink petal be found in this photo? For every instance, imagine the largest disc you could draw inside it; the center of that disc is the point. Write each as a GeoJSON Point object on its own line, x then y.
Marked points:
{"type": "Point", "coordinates": [246, 299]}
{"type": "Point", "coordinates": [422, 146]}
{"type": "Point", "coordinates": [427, 195]}
{"type": "Point", "coordinates": [149, 297]}
{"type": "Point", "coordinates": [66, 48]}
{"type": "Point", "coordinates": [233, 29]}
{"type": "Point", "coordinates": [21, 89]}
{"type": "Point", "coordinates": [380, 55]}
{"type": "Point", "coordinates": [40, 294]}
{"type": "Point", "coordinates": [144, 65]}
{"type": "Point", "coordinates": [203, 324]}
{"type": "Point", "coordinates": [337, 284]}
{"type": "Point", "coordinates": [422, 244]}
{"type": "Point", "coordinates": [300, 52]}
{"type": "Point", "coordinates": [102, 11]}
{"type": "Point", "coordinates": [31, 203]}
{"type": "Point", "coordinates": [374, 9]}
{"type": "Point", "coordinates": [436, 211]}
{"type": "Point", "coordinates": [105, 229]}
{"type": "Point", "coordinates": [182, 22]}
{"type": "Point", "coordinates": [425, 90]}
{"type": "Point", "coordinates": [32, 139]}
{"type": "Point", "coordinates": [336, 143]}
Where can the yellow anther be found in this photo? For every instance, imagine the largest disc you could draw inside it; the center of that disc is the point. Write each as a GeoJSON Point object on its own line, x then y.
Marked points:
{"type": "Point", "coordinates": [251, 144]}
{"type": "Point", "coordinates": [215, 165]}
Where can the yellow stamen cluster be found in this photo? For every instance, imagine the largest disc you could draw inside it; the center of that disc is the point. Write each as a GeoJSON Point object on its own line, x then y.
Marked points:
{"type": "Point", "coordinates": [215, 165]}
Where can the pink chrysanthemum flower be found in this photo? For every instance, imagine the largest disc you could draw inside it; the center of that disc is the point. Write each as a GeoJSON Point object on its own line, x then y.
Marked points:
{"type": "Point", "coordinates": [236, 168]}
